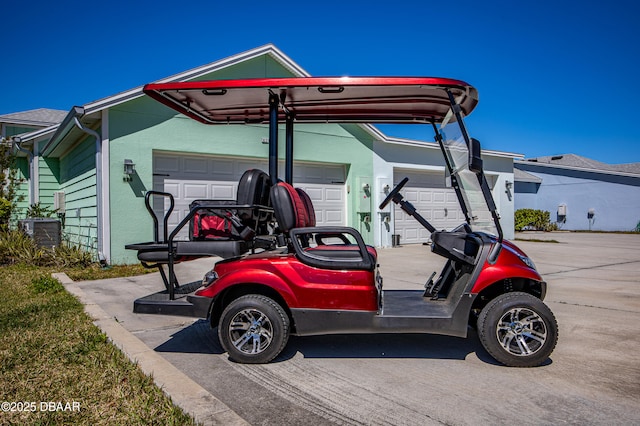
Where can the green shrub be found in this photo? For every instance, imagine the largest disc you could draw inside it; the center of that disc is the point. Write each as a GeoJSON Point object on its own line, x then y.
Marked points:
{"type": "Point", "coordinates": [70, 255]}
{"type": "Point", "coordinates": [37, 210]}
{"type": "Point", "coordinates": [5, 212]}
{"type": "Point", "coordinates": [530, 219]}
{"type": "Point", "coordinates": [17, 247]}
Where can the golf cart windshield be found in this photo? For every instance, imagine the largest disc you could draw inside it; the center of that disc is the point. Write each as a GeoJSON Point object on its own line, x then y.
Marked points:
{"type": "Point", "coordinates": [456, 150]}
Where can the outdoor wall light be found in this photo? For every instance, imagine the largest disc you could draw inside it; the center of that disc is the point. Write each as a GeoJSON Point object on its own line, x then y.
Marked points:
{"type": "Point", "coordinates": [508, 185]}
{"type": "Point", "coordinates": [129, 167]}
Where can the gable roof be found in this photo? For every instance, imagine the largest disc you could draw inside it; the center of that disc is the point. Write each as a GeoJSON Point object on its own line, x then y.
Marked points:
{"type": "Point", "coordinates": [41, 117]}
{"type": "Point", "coordinates": [577, 162]}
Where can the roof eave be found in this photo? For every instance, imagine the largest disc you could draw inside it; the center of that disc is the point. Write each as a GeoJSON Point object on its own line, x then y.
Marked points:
{"type": "Point", "coordinates": [37, 134]}
{"type": "Point", "coordinates": [580, 169]}
{"type": "Point", "coordinates": [415, 142]}
{"type": "Point", "coordinates": [63, 129]}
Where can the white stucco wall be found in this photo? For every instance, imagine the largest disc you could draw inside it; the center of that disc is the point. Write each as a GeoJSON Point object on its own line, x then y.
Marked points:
{"type": "Point", "coordinates": [615, 199]}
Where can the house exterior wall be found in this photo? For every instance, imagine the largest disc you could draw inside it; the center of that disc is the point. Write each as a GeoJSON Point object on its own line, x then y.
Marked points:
{"type": "Point", "coordinates": [48, 179]}
{"type": "Point", "coordinates": [499, 171]}
{"type": "Point", "coordinates": [77, 179]}
{"type": "Point", "coordinates": [615, 199]}
{"type": "Point", "coordinates": [22, 190]}
{"type": "Point", "coordinates": [8, 130]}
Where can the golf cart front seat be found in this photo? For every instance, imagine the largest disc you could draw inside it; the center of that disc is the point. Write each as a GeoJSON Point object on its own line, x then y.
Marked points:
{"type": "Point", "coordinates": [327, 247]}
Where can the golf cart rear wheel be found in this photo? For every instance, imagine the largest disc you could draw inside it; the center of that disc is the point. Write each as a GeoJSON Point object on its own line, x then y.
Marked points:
{"type": "Point", "coordinates": [518, 330]}
{"type": "Point", "coordinates": [253, 329]}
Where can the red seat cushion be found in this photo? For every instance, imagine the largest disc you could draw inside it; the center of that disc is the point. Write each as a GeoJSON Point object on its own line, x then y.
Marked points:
{"type": "Point", "coordinates": [289, 209]}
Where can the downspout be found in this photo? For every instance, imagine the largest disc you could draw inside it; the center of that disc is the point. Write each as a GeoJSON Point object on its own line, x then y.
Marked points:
{"type": "Point", "coordinates": [17, 140]}
{"type": "Point", "coordinates": [101, 256]}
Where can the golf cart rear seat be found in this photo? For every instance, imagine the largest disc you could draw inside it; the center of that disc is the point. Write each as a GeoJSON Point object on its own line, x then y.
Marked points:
{"type": "Point", "coordinates": [316, 246]}
{"type": "Point", "coordinates": [242, 223]}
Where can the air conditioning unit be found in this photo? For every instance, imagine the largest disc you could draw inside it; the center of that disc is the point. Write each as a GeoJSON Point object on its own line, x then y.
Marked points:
{"type": "Point", "coordinates": [45, 232]}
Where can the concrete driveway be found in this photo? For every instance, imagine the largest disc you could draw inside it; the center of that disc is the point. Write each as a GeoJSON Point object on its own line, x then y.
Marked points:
{"type": "Point", "coordinates": [593, 376]}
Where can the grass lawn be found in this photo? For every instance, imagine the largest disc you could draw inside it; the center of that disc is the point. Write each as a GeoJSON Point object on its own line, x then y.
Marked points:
{"type": "Point", "coordinates": [50, 351]}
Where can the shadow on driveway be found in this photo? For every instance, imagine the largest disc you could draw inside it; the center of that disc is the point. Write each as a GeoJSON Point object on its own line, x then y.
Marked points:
{"type": "Point", "coordinates": [200, 338]}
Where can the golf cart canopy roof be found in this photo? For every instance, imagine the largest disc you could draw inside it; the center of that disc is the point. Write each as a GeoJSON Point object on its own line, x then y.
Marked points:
{"type": "Point", "coordinates": [318, 99]}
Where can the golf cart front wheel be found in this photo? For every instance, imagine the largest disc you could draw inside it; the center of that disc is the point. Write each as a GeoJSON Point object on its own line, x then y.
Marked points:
{"type": "Point", "coordinates": [518, 330]}
{"type": "Point", "coordinates": [253, 329]}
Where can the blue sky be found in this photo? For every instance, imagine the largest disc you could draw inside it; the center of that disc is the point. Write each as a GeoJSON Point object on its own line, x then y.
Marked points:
{"type": "Point", "coordinates": [554, 77]}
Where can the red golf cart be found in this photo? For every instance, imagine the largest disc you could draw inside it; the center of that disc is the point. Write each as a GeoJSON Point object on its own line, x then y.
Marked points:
{"type": "Point", "coordinates": [297, 278]}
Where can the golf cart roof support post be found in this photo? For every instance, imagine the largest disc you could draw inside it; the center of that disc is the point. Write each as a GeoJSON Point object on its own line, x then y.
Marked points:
{"type": "Point", "coordinates": [288, 157]}
{"type": "Point", "coordinates": [274, 102]}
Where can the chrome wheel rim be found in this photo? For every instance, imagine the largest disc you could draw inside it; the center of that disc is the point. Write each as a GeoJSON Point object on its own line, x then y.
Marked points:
{"type": "Point", "coordinates": [250, 331]}
{"type": "Point", "coordinates": [521, 332]}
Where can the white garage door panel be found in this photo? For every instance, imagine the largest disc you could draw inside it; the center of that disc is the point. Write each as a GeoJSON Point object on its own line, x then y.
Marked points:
{"type": "Point", "coordinates": [328, 202]}
{"type": "Point", "coordinates": [190, 177]}
{"type": "Point", "coordinates": [437, 204]}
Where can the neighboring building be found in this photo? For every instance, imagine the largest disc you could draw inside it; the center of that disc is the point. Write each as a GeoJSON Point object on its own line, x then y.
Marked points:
{"type": "Point", "coordinates": [23, 122]}
{"type": "Point", "coordinates": [81, 161]}
{"type": "Point", "coordinates": [580, 193]}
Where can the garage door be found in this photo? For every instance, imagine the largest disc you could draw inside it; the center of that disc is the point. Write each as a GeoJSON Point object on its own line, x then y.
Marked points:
{"type": "Point", "coordinates": [191, 178]}
{"type": "Point", "coordinates": [428, 194]}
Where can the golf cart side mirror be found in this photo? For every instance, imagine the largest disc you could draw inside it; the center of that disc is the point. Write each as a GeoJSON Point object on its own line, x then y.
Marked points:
{"type": "Point", "coordinates": [475, 160]}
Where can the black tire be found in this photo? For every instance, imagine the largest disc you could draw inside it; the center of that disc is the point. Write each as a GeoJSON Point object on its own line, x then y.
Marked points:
{"type": "Point", "coordinates": [253, 329]}
{"type": "Point", "coordinates": [518, 330]}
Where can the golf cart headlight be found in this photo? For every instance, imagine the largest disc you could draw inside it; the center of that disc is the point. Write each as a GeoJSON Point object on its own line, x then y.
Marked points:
{"type": "Point", "coordinates": [528, 262]}
{"type": "Point", "coordinates": [209, 278]}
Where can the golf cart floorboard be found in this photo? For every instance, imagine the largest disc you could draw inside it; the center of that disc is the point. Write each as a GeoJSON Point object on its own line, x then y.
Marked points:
{"type": "Point", "coordinates": [411, 303]}
{"type": "Point", "coordinates": [159, 303]}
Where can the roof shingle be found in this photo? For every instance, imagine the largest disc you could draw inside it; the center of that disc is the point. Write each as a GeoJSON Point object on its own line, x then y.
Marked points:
{"type": "Point", "coordinates": [36, 117]}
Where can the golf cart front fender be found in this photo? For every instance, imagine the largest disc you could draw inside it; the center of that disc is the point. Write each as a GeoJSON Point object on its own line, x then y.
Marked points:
{"type": "Point", "coordinates": [494, 273]}
{"type": "Point", "coordinates": [250, 277]}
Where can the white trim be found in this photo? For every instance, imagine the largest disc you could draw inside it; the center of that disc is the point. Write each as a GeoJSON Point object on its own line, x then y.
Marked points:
{"type": "Point", "coordinates": [37, 133]}
{"type": "Point", "coordinates": [34, 188]}
{"type": "Point", "coordinates": [417, 167]}
{"type": "Point", "coordinates": [433, 145]}
{"type": "Point", "coordinates": [106, 188]}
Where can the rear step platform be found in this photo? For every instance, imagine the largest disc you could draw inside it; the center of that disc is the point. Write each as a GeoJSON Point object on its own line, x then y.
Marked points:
{"type": "Point", "coordinates": [184, 304]}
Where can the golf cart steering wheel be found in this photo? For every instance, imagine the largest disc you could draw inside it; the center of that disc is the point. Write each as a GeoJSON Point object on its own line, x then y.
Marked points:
{"type": "Point", "coordinates": [394, 192]}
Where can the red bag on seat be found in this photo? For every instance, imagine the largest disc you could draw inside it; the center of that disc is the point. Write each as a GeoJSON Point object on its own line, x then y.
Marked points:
{"type": "Point", "coordinates": [208, 226]}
